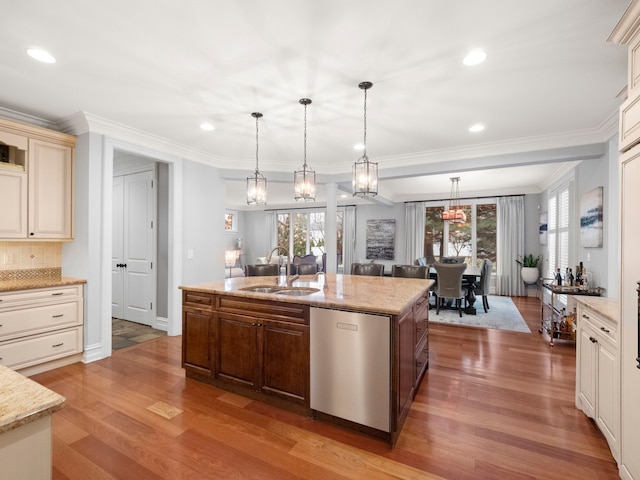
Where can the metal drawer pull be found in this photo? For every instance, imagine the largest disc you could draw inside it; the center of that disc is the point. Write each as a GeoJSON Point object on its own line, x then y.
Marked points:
{"type": "Point", "coordinates": [57, 345]}
{"type": "Point", "coordinates": [585, 316]}
{"type": "Point", "coordinates": [593, 340]}
{"type": "Point", "coordinates": [604, 330]}
{"type": "Point", "coordinates": [57, 316]}
{"type": "Point", "coordinates": [57, 293]}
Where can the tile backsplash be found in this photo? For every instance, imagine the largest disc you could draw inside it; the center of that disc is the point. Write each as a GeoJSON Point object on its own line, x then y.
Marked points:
{"type": "Point", "coordinates": [30, 255]}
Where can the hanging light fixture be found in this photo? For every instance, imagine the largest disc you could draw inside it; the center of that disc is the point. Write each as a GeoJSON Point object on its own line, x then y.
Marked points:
{"type": "Point", "coordinates": [365, 173]}
{"type": "Point", "coordinates": [304, 181]}
{"type": "Point", "coordinates": [256, 184]}
{"type": "Point", "coordinates": [455, 214]}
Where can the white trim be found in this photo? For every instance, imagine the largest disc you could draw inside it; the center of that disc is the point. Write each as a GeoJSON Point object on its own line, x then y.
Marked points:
{"type": "Point", "coordinates": [162, 323]}
{"type": "Point", "coordinates": [92, 353]}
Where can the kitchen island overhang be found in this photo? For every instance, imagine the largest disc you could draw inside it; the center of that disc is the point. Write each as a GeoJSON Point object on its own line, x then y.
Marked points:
{"type": "Point", "coordinates": [251, 335]}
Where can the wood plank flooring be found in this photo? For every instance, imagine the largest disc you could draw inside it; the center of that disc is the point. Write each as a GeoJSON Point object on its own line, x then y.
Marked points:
{"type": "Point", "coordinates": [493, 405]}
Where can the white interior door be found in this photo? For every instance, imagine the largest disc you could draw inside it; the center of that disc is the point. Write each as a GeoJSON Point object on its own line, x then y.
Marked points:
{"type": "Point", "coordinates": [133, 257]}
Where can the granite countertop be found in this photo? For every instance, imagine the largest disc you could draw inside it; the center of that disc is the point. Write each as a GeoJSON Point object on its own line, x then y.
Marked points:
{"type": "Point", "coordinates": [609, 307]}
{"type": "Point", "coordinates": [22, 400]}
{"type": "Point", "coordinates": [390, 295]}
{"type": "Point", "coordinates": [38, 282]}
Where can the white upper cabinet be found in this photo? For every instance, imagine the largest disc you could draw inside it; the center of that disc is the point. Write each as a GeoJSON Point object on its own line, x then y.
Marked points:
{"type": "Point", "coordinates": [36, 182]}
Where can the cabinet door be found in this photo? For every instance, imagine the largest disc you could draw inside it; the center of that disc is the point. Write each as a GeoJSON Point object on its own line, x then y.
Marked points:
{"type": "Point", "coordinates": [50, 190]}
{"type": "Point", "coordinates": [285, 360]}
{"type": "Point", "coordinates": [237, 349]}
{"type": "Point", "coordinates": [13, 201]}
{"type": "Point", "coordinates": [587, 358]}
{"type": "Point", "coordinates": [196, 332]}
{"type": "Point", "coordinates": [608, 403]}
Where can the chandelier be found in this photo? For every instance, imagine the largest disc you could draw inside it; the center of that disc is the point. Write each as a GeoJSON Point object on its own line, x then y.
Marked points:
{"type": "Point", "coordinates": [304, 181]}
{"type": "Point", "coordinates": [257, 183]}
{"type": "Point", "coordinates": [365, 173]}
{"type": "Point", "coordinates": [455, 214]}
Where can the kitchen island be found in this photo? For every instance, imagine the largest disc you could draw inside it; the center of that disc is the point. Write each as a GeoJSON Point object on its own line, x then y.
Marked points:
{"type": "Point", "coordinates": [254, 336]}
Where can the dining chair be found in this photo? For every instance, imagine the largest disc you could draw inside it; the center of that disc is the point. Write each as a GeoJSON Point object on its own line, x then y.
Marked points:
{"type": "Point", "coordinates": [370, 269]}
{"type": "Point", "coordinates": [450, 284]}
{"type": "Point", "coordinates": [306, 269]}
{"type": "Point", "coordinates": [262, 269]}
{"type": "Point", "coordinates": [482, 287]}
{"type": "Point", "coordinates": [409, 271]}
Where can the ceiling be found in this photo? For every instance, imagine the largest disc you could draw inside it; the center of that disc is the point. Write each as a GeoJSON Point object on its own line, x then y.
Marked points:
{"type": "Point", "coordinates": [551, 84]}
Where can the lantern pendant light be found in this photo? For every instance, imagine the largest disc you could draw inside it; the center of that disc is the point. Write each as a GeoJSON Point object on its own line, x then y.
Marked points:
{"type": "Point", "coordinates": [365, 172]}
{"type": "Point", "coordinates": [455, 214]}
{"type": "Point", "coordinates": [257, 183]}
{"type": "Point", "coordinates": [304, 181]}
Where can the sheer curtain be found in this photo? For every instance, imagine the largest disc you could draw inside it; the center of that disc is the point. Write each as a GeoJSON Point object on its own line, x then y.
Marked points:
{"type": "Point", "coordinates": [349, 237]}
{"type": "Point", "coordinates": [509, 244]}
{"type": "Point", "coordinates": [414, 218]}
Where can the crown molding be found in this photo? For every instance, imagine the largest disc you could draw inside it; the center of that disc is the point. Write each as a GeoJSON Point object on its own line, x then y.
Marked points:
{"type": "Point", "coordinates": [84, 122]}
{"type": "Point", "coordinates": [627, 25]}
{"type": "Point", "coordinates": [26, 118]}
{"type": "Point", "coordinates": [561, 171]}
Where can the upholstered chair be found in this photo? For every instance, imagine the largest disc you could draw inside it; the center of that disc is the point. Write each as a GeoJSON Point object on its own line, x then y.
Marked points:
{"type": "Point", "coordinates": [370, 269]}
{"type": "Point", "coordinates": [482, 287]}
{"type": "Point", "coordinates": [262, 269]}
{"type": "Point", "coordinates": [306, 269]}
{"type": "Point", "coordinates": [450, 283]}
{"type": "Point", "coordinates": [409, 271]}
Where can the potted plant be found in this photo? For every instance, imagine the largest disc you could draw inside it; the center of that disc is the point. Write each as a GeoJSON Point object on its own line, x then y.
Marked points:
{"type": "Point", "coordinates": [529, 271]}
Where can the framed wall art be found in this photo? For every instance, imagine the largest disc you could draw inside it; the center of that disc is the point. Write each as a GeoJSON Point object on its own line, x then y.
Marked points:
{"type": "Point", "coordinates": [381, 239]}
{"type": "Point", "coordinates": [591, 218]}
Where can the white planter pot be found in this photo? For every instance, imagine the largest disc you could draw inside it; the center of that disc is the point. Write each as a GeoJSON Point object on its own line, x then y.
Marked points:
{"type": "Point", "coordinates": [529, 274]}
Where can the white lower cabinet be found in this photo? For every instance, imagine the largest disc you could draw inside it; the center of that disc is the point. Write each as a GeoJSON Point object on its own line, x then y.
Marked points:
{"type": "Point", "coordinates": [41, 328]}
{"type": "Point", "coordinates": [598, 374]}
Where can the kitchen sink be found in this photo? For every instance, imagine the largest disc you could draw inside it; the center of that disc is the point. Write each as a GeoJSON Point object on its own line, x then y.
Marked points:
{"type": "Point", "coordinates": [262, 289]}
{"type": "Point", "coordinates": [297, 291]}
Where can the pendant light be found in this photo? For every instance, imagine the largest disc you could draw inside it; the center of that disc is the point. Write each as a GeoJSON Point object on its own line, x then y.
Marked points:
{"type": "Point", "coordinates": [455, 214]}
{"type": "Point", "coordinates": [304, 181]}
{"type": "Point", "coordinates": [257, 183]}
{"type": "Point", "coordinates": [365, 173]}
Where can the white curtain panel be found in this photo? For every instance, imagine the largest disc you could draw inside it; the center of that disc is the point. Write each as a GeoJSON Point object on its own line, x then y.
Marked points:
{"type": "Point", "coordinates": [349, 238]}
{"type": "Point", "coordinates": [414, 215]}
{"type": "Point", "coordinates": [272, 229]}
{"type": "Point", "coordinates": [509, 244]}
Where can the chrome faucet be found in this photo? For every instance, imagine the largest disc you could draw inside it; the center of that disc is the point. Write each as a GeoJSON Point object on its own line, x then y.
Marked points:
{"type": "Point", "coordinates": [289, 279]}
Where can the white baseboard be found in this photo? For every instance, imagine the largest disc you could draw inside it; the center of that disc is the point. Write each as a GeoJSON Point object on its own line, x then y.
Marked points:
{"type": "Point", "coordinates": [92, 353]}
{"type": "Point", "coordinates": [162, 324]}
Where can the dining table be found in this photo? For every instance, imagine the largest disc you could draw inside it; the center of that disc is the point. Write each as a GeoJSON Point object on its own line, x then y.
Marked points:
{"type": "Point", "coordinates": [470, 279]}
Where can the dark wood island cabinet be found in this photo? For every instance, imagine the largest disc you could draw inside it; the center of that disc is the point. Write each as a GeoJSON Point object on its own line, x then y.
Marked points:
{"type": "Point", "coordinates": [258, 344]}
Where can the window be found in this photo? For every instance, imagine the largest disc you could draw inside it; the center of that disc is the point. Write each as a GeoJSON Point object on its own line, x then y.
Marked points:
{"type": "Point", "coordinates": [475, 240]}
{"type": "Point", "coordinates": [558, 230]}
{"type": "Point", "coordinates": [308, 232]}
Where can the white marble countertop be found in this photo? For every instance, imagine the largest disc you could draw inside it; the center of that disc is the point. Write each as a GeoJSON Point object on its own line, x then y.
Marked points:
{"type": "Point", "coordinates": [22, 400]}
{"type": "Point", "coordinates": [347, 292]}
{"type": "Point", "coordinates": [608, 307]}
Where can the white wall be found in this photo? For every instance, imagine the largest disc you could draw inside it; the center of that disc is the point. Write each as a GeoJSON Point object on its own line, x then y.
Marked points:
{"type": "Point", "coordinates": [202, 224]}
{"type": "Point", "coordinates": [379, 212]}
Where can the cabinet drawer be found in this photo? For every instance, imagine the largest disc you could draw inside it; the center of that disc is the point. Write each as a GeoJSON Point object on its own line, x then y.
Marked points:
{"type": "Point", "coordinates": [600, 324]}
{"type": "Point", "coordinates": [198, 300]}
{"type": "Point", "coordinates": [422, 358]}
{"type": "Point", "coordinates": [40, 295]}
{"type": "Point", "coordinates": [288, 312]}
{"type": "Point", "coordinates": [29, 321]}
{"type": "Point", "coordinates": [41, 348]}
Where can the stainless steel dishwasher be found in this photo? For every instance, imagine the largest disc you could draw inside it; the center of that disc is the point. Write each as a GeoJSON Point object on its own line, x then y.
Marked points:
{"type": "Point", "coordinates": [350, 366]}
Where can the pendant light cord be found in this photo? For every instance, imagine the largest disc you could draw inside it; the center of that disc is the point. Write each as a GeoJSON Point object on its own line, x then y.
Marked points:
{"type": "Point", "coordinates": [364, 142]}
{"type": "Point", "coordinates": [257, 171]}
{"type": "Point", "coordinates": [304, 167]}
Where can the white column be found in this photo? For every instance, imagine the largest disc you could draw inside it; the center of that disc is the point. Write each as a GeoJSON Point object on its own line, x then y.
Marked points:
{"type": "Point", "coordinates": [330, 227]}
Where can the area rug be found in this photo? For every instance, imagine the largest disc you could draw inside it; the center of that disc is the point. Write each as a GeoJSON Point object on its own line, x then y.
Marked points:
{"type": "Point", "coordinates": [502, 315]}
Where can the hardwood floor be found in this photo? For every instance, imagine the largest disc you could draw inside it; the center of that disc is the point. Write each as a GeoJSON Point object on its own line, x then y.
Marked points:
{"type": "Point", "coordinates": [493, 405]}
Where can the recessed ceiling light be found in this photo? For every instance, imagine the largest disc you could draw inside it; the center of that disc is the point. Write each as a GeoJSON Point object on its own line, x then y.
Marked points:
{"type": "Point", "coordinates": [358, 146]}
{"type": "Point", "coordinates": [41, 55]}
{"type": "Point", "coordinates": [478, 127]}
{"type": "Point", "coordinates": [206, 126]}
{"type": "Point", "coordinates": [475, 57]}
